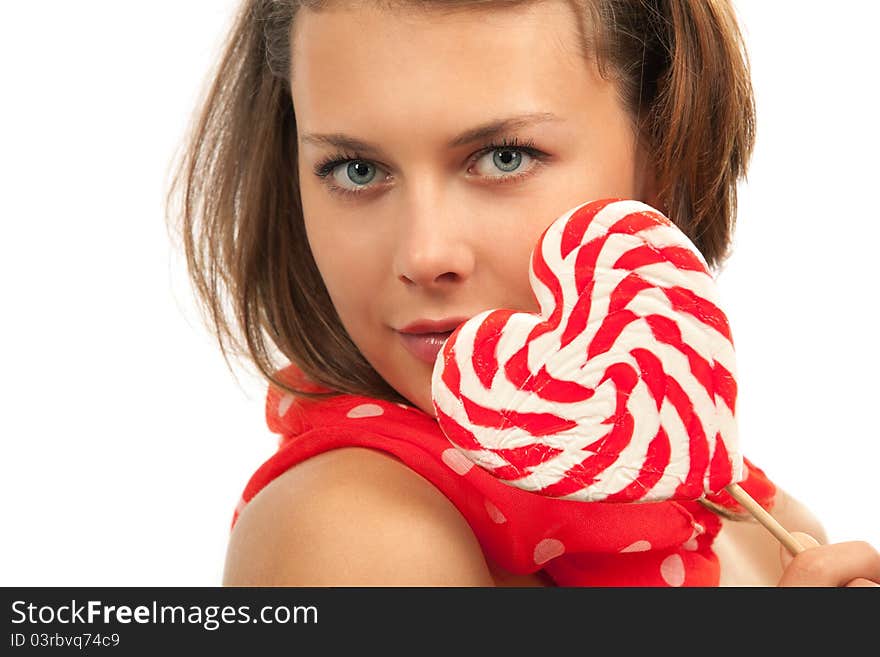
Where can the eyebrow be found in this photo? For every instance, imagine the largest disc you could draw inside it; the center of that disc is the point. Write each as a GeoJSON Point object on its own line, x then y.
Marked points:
{"type": "Point", "coordinates": [479, 133]}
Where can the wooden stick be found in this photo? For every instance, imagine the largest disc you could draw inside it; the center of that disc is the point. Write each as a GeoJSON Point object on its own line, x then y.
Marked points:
{"type": "Point", "coordinates": [765, 518]}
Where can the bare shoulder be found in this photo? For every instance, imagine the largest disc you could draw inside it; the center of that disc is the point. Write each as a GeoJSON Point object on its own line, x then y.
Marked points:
{"type": "Point", "coordinates": [353, 516]}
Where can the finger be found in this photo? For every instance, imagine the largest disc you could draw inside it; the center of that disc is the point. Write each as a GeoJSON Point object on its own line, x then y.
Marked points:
{"type": "Point", "coordinates": [837, 564]}
{"type": "Point", "coordinates": [861, 581]}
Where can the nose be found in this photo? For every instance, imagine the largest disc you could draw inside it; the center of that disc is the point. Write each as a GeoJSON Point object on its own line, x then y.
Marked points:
{"type": "Point", "coordinates": [434, 246]}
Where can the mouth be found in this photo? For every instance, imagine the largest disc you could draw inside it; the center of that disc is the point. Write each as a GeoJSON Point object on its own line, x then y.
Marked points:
{"type": "Point", "coordinates": [425, 346]}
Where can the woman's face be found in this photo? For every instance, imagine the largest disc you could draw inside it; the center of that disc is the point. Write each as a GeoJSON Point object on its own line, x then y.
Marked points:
{"type": "Point", "coordinates": [437, 224]}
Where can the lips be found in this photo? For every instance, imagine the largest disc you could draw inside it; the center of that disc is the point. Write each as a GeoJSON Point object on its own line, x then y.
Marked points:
{"type": "Point", "coordinates": [446, 325]}
{"type": "Point", "coordinates": [425, 346]}
{"type": "Point", "coordinates": [424, 338]}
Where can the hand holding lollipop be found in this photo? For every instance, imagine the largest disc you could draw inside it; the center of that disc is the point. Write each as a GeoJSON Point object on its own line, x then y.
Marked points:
{"type": "Point", "coordinates": [622, 390]}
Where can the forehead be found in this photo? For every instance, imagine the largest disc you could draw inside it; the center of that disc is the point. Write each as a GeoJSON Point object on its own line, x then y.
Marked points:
{"type": "Point", "coordinates": [365, 69]}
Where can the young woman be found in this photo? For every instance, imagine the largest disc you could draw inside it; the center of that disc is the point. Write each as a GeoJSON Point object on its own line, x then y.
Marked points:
{"type": "Point", "coordinates": [363, 178]}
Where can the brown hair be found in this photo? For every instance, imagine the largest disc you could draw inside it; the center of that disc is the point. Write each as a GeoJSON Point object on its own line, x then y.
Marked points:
{"type": "Point", "coordinates": [680, 67]}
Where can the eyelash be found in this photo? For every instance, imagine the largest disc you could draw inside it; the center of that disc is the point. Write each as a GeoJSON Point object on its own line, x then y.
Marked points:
{"type": "Point", "coordinates": [326, 166]}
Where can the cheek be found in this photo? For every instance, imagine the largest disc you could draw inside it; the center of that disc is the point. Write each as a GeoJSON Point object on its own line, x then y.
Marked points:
{"type": "Point", "coordinates": [336, 250]}
{"type": "Point", "coordinates": [326, 242]}
{"type": "Point", "coordinates": [344, 262]}
{"type": "Point", "coordinates": [321, 244]}
{"type": "Point", "coordinates": [513, 250]}
{"type": "Point", "coordinates": [337, 264]}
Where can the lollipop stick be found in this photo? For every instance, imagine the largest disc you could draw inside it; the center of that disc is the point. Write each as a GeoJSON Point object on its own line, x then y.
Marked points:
{"type": "Point", "coordinates": [765, 518]}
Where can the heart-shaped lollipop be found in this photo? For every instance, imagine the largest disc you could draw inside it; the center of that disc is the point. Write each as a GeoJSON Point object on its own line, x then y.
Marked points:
{"type": "Point", "coordinates": [622, 390]}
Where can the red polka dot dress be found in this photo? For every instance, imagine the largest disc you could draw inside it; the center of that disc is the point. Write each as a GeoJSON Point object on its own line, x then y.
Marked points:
{"type": "Point", "coordinates": [575, 543]}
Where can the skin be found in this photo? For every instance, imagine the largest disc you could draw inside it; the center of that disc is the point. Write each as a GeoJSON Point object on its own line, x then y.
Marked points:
{"type": "Point", "coordinates": [438, 233]}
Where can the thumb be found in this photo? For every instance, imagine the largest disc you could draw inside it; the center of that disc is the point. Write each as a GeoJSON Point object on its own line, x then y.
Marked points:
{"type": "Point", "coordinates": [805, 540]}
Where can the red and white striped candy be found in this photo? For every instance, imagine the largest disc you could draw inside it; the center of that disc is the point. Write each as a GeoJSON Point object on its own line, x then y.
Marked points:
{"type": "Point", "coordinates": [623, 389]}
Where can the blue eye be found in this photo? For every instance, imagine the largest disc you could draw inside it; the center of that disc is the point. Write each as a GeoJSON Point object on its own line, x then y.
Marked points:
{"type": "Point", "coordinates": [516, 159]}
{"type": "Point", "coordinates": [358, 169]}
{"type": "Point", "coordinates": [507, 157]}
{"type": "Point", "coordinates": [506, 160]}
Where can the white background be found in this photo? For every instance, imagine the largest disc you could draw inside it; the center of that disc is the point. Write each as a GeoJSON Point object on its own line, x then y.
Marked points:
{"type": "Point", "coordinates": [126, 441]}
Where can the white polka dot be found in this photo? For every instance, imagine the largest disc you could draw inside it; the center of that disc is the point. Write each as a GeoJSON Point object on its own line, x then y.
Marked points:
{"type": "Point", "coordinates": [284, 404]}
{"type": "Point", "coordinates": [458, 462]}
{"type": "Point", "coordinates": [638, 546]}
{"type": "Point", "coordinates": [365, 410]}
{"type": "Point", "coordinates": [745, 474]}
{"type": "Point", "coordinates": [494, 512]}
{"type": "Point", "coordinates": [672, 570]}
{"type": "Point", "coordinates": [547, 549]}
{"type": "Point", "coordinates": [698, 529]}
{"type": "Point", "coordinates": [404, 407]}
